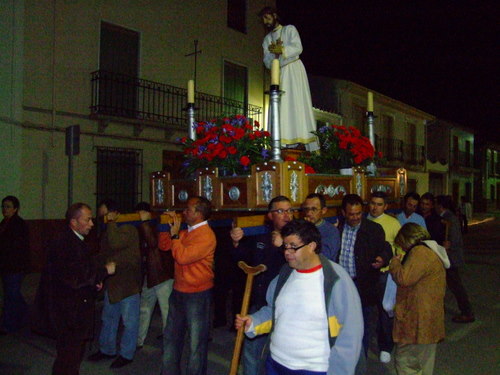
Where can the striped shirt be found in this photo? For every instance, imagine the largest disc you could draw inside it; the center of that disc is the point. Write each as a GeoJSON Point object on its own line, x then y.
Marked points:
{"type": "Point", "coordinates": [346, 259]}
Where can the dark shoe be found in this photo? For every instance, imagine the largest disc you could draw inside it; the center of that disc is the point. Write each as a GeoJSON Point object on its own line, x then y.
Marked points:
{"type": "Point", "coordinates": [120, 362]}
{"type": "Point", "coordinates": [463, 319]}
{"type": "Point", "coordinates": [98, 356]}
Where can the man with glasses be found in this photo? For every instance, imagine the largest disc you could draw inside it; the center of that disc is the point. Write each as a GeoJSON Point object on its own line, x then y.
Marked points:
{"type": "Point", "coordinates": [313, 312]}
{"type": "Point", "coordinates": [262, 249]}
{"type": "Point", "coordinates": [313, 209]}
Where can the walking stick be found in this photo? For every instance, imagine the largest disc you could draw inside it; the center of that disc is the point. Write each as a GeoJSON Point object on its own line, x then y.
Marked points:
{"type": "Point", "coordinates": [251, 272]}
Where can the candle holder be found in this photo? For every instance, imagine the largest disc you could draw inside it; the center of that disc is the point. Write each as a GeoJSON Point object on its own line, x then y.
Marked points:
{"type": "Point", "coordinates": [371, 168]}
{"type": "Point", "coordinates": [274, 118]}
{"type": "Point", "coordinates": [190, 109]}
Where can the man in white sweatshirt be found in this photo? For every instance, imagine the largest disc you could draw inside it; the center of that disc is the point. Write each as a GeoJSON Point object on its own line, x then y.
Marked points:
{"type": "Point", "coordinates": [314, 312]}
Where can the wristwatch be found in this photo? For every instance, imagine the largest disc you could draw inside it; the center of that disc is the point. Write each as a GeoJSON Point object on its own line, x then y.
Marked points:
{"type": "Point", "coordinates": [175, 237]}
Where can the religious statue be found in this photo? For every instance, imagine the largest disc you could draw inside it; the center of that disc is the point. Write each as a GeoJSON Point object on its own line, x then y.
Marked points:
{"type": "Point", "coordinates": [296, 115]}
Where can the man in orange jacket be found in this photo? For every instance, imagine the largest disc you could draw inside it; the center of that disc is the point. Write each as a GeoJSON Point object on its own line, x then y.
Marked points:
{"type": "Point", "coordinates": [189, 305]}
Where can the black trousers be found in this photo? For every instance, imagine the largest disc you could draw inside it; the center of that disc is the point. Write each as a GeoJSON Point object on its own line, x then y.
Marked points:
{"type": "Point", "coordinates": [454, 282]}
{"type": "Point", "coordinates": [69, 356]}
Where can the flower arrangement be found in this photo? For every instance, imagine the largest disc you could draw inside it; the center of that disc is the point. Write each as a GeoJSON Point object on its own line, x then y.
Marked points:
{"type": "Point", "coordinates": [340, 147]}
{"type": "Point", "coordinates": [232, 144]}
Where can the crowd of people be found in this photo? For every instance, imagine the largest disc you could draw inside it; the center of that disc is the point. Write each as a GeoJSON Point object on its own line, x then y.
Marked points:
{"type": "Point", "coordinates": [311, 310]}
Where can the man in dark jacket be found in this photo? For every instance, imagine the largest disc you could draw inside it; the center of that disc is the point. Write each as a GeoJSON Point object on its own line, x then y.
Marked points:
{"type": "Point", "coordinates": [363, 252]}
{"type": "Point", "coordinates": [14, 263]}
{"type": "Point", "coordinates": [74, 282]}
{"type": "Point", "coordinates": [262, 249]}
{"type": "Point", "coordinates": [433, 221]}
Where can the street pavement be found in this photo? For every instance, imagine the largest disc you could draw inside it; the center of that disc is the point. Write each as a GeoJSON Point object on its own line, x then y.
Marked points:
{"type": "Point", "coordinates": [469, 349]}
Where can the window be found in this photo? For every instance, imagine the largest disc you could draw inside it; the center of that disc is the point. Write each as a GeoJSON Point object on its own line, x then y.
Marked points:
{"type": "Point", "coordinates": [119, 176]}
{"type": "Point", "coordinates": [455, 150]}
{"type": "Point", "coordinates": [468, 155]}
{"type": "Point", "coordinates": [237, 15]}
{"type": "Point", "coordinates": [119, 68]}
{"type": "Point", "coordinates": [235, 88]}
{"type": "Point", "coordinates": [359, 119]}
{"type": "Point", "coordinates": [387, 128]}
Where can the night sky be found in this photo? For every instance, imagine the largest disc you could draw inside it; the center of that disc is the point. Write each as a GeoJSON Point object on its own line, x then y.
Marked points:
{"type": "Point", "coordinates": [438, 56]}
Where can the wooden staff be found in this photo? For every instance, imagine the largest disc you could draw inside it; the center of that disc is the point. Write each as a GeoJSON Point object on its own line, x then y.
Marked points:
{"type": "Point", "coordinates": [251, 272]}
{"type": "Point", "coordinates": [163, 218]}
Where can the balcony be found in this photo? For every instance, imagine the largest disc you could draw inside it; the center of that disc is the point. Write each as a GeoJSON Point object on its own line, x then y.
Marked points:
{"type": "Point", "coordinates": [396, 151]}
{"type": "Point", "coordinates": [462, 159]}
{"type": "Point", "coordinates": [118, 95]}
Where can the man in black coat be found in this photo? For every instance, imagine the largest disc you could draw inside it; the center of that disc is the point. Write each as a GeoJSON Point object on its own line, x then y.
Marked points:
{"type": "Point", "coordinates": [363, 252]}
{"type": "Point", "coordinates": [74, 282]}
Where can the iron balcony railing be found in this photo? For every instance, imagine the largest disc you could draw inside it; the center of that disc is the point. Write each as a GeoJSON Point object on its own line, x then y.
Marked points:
{"type": "Point", "coordinates": [396, 150]}
{"type": "Point", "coordinates": [413, 154]}
{"type": "Point", "coordinates": [120, 95]}
{"type": "Point", "coordinates": [462, 159]}
{"type": "Point", "coordinates": [391, 148]}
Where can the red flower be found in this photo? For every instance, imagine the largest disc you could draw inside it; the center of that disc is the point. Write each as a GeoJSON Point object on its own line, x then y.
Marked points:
{"type": "Point", "coordinates": [232, 150]}
{"type": "Point", "coordinates": [245, 160]}
{"type": "Point", "coordinates": [228, 127]}
{"type": "Point", "coordinates": [225, 139]}
{"type": "Point", "coordinates": [238, 133]}
{"type": "Point", "coordinates": [309, 169]}
{"type": "Point", "coordinates": [222, 154]}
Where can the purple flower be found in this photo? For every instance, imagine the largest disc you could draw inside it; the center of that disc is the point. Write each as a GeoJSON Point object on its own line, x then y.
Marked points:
{"type": "Point", "coordinates": [265, 153]}
{"type": "Point", "coordinates": [323, 129]}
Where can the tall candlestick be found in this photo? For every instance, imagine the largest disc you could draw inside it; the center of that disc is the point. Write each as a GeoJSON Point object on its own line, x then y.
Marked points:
{"type": "Point", "coordinates": [275, 72]}
{"type": "Point", "coordinates": [370, 102]}
{"type": "Point", "coordinates": [190, 91]}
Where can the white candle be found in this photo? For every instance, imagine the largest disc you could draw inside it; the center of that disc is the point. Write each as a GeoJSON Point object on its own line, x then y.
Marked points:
{"type": "Point", "coordinates": [190, 91]}
{"type": "Point", "coordinates": [370, 102]}
{"type": "Point", "coordinates": [275, 72]}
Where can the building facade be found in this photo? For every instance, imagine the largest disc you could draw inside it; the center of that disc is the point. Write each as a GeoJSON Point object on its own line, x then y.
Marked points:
{"type": "Point", "coordinates": [400, 129]}
{"type": "Point", "coordinates": [487, 181]}
{"type": "Point", "coordinates": [117, 71]}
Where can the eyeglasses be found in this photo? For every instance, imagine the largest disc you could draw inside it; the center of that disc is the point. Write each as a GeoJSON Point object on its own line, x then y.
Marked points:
{"type": "Point", "coordinates": [281, 211]}
{"type": "Point", "coordinates": [312, 209]}
{"type": "Point", "coordinates": [294, 249]}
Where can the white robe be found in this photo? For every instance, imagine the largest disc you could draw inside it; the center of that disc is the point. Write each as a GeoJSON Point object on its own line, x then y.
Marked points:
{"type": "Point", "coordinates": [296, 115]}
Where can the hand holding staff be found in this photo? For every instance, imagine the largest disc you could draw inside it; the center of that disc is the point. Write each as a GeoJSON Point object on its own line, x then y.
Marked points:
{"type": "Point", "coordinates": [251, 272]}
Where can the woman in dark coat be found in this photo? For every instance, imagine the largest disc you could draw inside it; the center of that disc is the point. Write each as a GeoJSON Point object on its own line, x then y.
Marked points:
{"type": "Point", "coordinates": [14, 263]}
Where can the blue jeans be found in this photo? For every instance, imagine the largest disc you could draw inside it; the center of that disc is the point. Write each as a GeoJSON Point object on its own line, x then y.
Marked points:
{"type": "Point", "coordinates": [252, 354]}
{"type": "Point", "coordinates": [149, 297]}
{"type": "Point", "coordinates": [188, 312]}
{"type": "Point", "coordinates": [274, 368]}
{"type": "Point", "coordinates": [128, 310]}
{"type": "Point", "coordinates": [14, 305]}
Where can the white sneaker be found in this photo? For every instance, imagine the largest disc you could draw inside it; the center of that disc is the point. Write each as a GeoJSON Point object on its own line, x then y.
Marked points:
{"type": "Point", "coordinates": [385, 357]}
